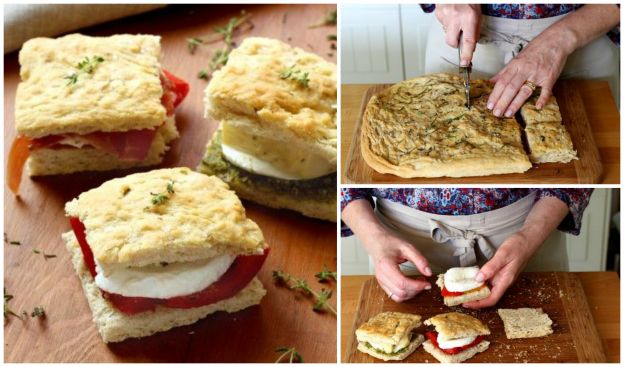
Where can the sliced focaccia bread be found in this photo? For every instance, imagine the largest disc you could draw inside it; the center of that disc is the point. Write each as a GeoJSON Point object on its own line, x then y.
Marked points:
{"type": "Point", "coordinates": [389, 335]}
{"type": "Point", "coordinates": [457, 337]}
{"type": "Point", "coordinates": [525, 322]}
{"type": "Point", "coordinates": [549, 112]}
{"type": "Point", "coordinates": [458, 285]}
{"type": "Point", "coordinates": [549, 142]}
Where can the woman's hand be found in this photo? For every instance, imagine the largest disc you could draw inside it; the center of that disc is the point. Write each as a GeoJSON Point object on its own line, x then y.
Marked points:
{"type": "Point", "coordinates": [387, 253]}
{"type": "Point", "coordinates": [541, 63]}
{"type": "Point", "coordinates": [503, 269]}
{"type": "Point", "coordinates": [464, 18]}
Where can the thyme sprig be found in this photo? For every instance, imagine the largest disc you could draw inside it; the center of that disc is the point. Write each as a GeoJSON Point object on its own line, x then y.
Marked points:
{"type": "Point", "coordinates": [38, 312]}
{"type": "Point", "coordinates": [8, 312]}
{"type": "Point", "coordinates": [325, 274]}
{"type": "Point", "coordinates": [290, 354]}
{"type": "Point", "coordinates": [330, 18]}
{"type": "Point", "coordinates": [295, 74]}
{"type": "Point", "coordinates": [162, 197]}
{"type": "Point", "coordinates": [87, 66]}
{"type": "Point", "coordinates": [301, 285]}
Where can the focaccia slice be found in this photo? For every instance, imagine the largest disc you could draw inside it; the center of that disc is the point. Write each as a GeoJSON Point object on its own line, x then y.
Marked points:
{"type": "Point", "coordinates": [549, 142]}
{"type": "Point", "coordinates": [549, 113]}
{"type": "Point", "coordinates": [422, 128]}
{"type": "Point", "coordinates": [389, 335]}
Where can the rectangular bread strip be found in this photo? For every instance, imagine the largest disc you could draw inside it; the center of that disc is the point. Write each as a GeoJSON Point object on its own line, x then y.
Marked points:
{"type": "Point", "coordinates": [549, 142]}
{"type": "Point", "coordinates": [525, 322]}
{"type": "Point", "coordinates": [531, 115]}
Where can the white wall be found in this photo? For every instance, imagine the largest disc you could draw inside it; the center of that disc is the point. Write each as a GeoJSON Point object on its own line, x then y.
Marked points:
{"type": "Point", "coordinates": [586, 252]}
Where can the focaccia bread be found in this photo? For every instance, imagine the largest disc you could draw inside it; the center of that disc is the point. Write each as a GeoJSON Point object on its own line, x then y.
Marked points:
{"type": "Point", "coordinates": [547, 137]}
{"type": "Point", "coordinates": [450, 301]}
{"type": "Point", "coordinates": [201, 219]}
{"type": "Point", "coordinates": [455, 358]}
{"type": "Point", "coordinates": [46, 104]}
{"type": "Point", "coordinates": [284, 90]}
{"type": "Point", "coordinates": [389, 335]}
{"type": "Point", "coordinates": [421, 128]}
{"type": "Point", "coordinates": [525, 322]}
{"type": "Point", "coordinates": [549, 142]}
{"type": "Point", "coordinates": [455, 325]}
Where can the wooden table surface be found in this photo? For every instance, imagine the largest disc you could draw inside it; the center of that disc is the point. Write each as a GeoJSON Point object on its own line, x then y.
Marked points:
{"type": "Point", "coordinates": [603, 115]}
{"type": "Point", "coordinates": [299, 245]}
{"type": "Point", "coordinates": [602, 291]}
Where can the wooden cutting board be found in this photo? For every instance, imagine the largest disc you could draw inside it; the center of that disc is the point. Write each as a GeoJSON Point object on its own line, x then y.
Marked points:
{"type": "Point", "coordinates": [299, 245]}
{"type": "Point", "coordinates": [586, 170]}
{"type": "Point", "coordinates": [560, 295]}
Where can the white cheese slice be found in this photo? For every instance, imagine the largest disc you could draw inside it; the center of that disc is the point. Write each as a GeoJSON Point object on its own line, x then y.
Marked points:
{"type": "Point", "coordinates": [271, 157]}
{"type": "Point", "coordinates": [454, 343]}
{"type": "Point", "coordinates": [158, 281]}
{"type": "Point", "coordinates": [461, 279]}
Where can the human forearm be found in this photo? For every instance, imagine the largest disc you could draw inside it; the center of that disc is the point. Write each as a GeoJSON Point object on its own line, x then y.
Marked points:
{"type": "Point", "coordinates": [359, 216]}
{"type": "Point", "coordinates": [542, 220]}
{"type": "Point", "coordinates": [583, 26]}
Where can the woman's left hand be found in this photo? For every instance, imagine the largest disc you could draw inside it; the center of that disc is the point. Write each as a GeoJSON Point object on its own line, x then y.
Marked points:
{"type": "Point", "coordinates": [541, 63]}
{"type": "Point", "coordinates": [503, 269]}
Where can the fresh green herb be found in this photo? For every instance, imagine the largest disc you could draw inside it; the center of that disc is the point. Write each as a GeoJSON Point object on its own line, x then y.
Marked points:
{"type": "Point", "coordinates": [332, 37]}
{"type": "Point", "coordinates": [290, 354]}
{"type": "Point", "coordinates": [295, 74]}
{"type": "Point", "coordinates": [321, 299]}
{"type": "Point", "coordinates": [8, 312]}
{"type": "Point", "coordinates": [15, 243]}
{"type": "Point", "coordinates": [36, 251]}
{"type": "Point", "coordinates": [203, 74]}
{"type": "Point", "coordinates": [162, 197]}
{"type": "Point", "coordinates": [48, 256]}
{"type": "Point", "coordinates": [330, 19]}
{"type": "Point", "coordinates": [325, 274]}
{"type": "Point", "coordinates": [38, 312]}
{"type": "Point", "coordinates": [86, 65]}
{"type": "Point", "coordinates": [192, 44]}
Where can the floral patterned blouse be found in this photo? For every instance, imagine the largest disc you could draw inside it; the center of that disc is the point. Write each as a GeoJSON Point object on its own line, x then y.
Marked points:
{"type": "Point", "coordinates": [457, 201]}
{"type": "Point", "coordinates": [530, 11]}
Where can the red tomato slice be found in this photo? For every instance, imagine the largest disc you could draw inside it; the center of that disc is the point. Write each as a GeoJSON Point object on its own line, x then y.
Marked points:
{"type": "Point", "coordinates": [17, 159]}
{"type": "Point", "coordinates": [433, 337]}
{"type": "Point", "coordinates": [447, 293]}
{"type": "Point", "coordinates": [240, 273]}
{"type": "Point", "coordinates": [176, 85]}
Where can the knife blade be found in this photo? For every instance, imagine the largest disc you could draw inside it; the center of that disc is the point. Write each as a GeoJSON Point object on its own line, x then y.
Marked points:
{"type": "Point", "coordinates": [465, 70]}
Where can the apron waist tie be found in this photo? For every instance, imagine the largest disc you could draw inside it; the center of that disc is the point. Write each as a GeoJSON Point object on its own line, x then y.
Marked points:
{"type": "Point", "coordinates": [464, 240]}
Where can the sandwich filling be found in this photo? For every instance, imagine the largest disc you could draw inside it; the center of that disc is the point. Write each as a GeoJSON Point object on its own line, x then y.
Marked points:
{"type": "Point", "coordinates": [132, 145]}
{"type": "Point", "coordinates": [391, 348]}
{"type": "Point", "coordinates": [460, 281]}
{"type": "Point", "coordinates": [176, 285]}
{"type": "Point", "coordinates": [453, 346]}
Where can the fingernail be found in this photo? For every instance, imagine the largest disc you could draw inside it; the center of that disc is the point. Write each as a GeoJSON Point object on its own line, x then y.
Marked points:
{"type": "Point", "coordinates": [428, 287]}
{"type": "Point", "coordinates": [427, 271]}
{"type": "Point", "coordinates": [508, 113]}
{"type": "Point", "coordinates": [490, 105]}
{"type": "Point", "coordinates": [480, 277]}
{"type": "Point", "coordinates": [463, 63]}
{"type": "Point", "coordinates": [538, 106]}
{"type": "Point", "coordinates": [497, 112]}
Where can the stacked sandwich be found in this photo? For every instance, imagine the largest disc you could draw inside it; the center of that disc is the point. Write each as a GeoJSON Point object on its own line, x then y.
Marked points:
{"type": "Point", "coordinates": [161, 249]}
{"type": "Point", "coordinates": [389, 335]}
{"type": "Point", "coordinates": [458, 285]}
{"type": "Point", "coordinates": [92, 104]}
{"type": "Point", "coordinates": [276, 144]}
{"type": "Point", "coordinates": [457, 337]}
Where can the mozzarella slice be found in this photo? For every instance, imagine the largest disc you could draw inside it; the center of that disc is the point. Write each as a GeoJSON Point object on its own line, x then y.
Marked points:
{"type": "Point", "coordinates": [271, 157]}
{"type": "Point", "coordinates": [454, 343]}
{"type": "Point", "coordinates": [461, 279]}
{"type": "Point", "coordinates": [158, 281]}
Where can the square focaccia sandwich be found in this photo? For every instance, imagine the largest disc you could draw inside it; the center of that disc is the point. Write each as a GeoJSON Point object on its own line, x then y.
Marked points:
{"type": "Point", "coordinates": [92, 104]}
{"type": "Point", "coordinates": [390, 336]}
{"type": "Point", "coordinates": [276, 144]}
{"type": "Point", "coordinates": [458, 285]}
{"type": "Point", "coordinates": [457, 337]}
{"type": "Point", "coordinates": [161, 249]}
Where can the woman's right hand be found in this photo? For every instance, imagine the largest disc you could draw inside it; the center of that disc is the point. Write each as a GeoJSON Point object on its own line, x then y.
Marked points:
{"type": "Point", "coordinates": [456, 18]}
{"type": "Point", "coordinates": [387, 252]}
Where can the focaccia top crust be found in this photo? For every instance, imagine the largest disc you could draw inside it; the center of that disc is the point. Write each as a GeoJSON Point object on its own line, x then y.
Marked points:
{"type": "Point", "coordinates": [549, 113]}
{"type": "Point", "coordinates": [455, 325]}
{"type": "Point", "coordinates": [251, 85]}
{"type": "Point", "coordinates": [388, 327]}
{"type": "Point", "coordinates": [421, 128]}
{"type": "Point", "coordinates": [202, 218]}
{"type": "Point", "coordinates": [122, 93]}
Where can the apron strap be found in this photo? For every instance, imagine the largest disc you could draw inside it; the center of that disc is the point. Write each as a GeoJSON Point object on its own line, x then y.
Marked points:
{"type": "Point", "coordinates": [463, 240]}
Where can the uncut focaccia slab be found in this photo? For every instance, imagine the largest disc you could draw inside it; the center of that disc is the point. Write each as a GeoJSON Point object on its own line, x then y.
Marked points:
{"type": "Point", "coordinates": [422, 128]}
{"type": "Point", "coordinates": [548, 139]}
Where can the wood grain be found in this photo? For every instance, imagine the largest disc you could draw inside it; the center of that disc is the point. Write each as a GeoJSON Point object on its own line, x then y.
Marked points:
{"type": "Point", "coordinates": [575, 338]}
{"type": "Point", "coordinates": [300, 245]}
{"type": "Point", "coordinates": [588, 111]}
